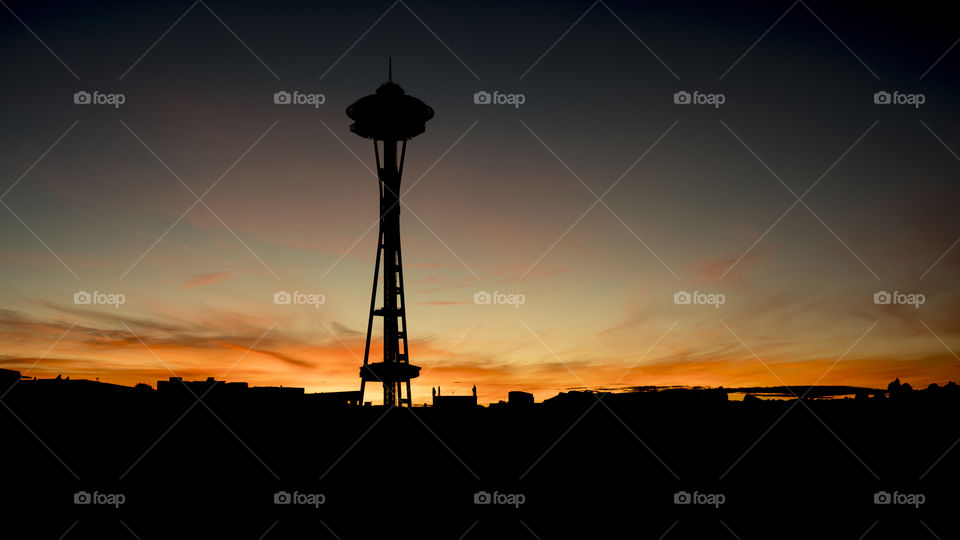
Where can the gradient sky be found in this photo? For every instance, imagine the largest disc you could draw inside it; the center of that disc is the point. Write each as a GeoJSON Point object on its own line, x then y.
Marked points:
{"type": "Point", "coordinates": [501, 194]}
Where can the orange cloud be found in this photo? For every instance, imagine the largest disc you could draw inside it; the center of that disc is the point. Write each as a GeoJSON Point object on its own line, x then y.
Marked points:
{"type": "Point", "coordinates": [206, 279]}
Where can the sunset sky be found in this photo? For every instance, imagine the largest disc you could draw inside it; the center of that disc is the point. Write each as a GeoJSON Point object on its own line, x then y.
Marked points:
{"type": "Point", "coordinates": [496, 197]}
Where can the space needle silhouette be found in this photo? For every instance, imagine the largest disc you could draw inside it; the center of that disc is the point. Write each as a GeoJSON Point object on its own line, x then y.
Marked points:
{"type": "Point", "coordinates": [390, 117]}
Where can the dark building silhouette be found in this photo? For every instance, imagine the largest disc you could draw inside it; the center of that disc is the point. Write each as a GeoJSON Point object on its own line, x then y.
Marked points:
{"type": "Point", "coordinates": [390, 117]}
{"type": "Point", "coordinates": [520, 399]}
{"type": "Point", "coordinates": [454, 402]}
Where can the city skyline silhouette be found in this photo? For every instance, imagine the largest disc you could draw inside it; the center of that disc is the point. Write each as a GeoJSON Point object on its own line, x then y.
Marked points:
{"type": "Point", "coordinates": [667, 270]}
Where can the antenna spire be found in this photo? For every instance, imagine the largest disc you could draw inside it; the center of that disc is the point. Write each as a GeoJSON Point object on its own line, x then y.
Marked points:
{"type": "Point", "coordinates": [390, 69]}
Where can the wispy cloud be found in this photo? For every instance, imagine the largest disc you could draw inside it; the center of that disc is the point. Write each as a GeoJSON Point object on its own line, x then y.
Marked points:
{"type": "Point", "coordinates": [206, 279]}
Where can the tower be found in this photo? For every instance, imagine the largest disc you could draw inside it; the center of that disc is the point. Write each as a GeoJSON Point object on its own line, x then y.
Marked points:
{"type": "Point", "coordinates": [390, 117]}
